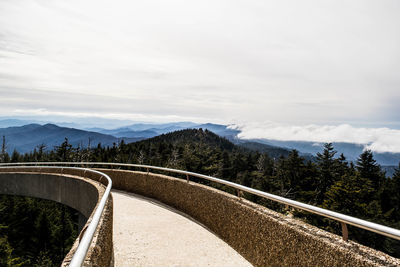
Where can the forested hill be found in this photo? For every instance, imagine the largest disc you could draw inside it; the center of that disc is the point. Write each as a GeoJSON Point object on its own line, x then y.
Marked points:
{"type": "Point", "coordinates": [212, 140]}
{"type": "Point", "coordinates": [195, 150]}
{"type": "Point", "coordinates": [192, 136]}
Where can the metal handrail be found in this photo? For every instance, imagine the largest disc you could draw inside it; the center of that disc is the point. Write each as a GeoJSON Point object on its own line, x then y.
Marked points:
{"type": "Point", "coordinates": [342, 218]}
{"type": "Point", "coordinates": [80, 254]}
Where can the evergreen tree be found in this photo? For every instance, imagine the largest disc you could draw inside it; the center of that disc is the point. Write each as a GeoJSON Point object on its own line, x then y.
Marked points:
{"type": "Point", "coordinates": [391, 197]}
{"type": "Point", "coordinates": [350, 195]}
{"type": "Point", "coordinates": [4, 157]}
{"type": "Point", "coordinates": [15, 156]}
{"type": "Point", "coordinates": [64, 151]}
{"type": "Point", "coordinates": [327, 168]}
{"type": "Point", "coordinates": [6, 255]}
{"type": "Point", "coordinates": [295, 170]}
{"type": "Point", "coordinates": [369, 169]}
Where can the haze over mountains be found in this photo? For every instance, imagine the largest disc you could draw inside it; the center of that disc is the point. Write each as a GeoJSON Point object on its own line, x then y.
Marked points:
{"type": "Point", "coordinates": [144, 130]}
{"type": "Point", "coordinates": [29, 136]}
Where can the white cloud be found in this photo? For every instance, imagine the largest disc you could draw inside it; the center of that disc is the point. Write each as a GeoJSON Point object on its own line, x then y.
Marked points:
{"type": "Point", "coordinates": [376, 139]}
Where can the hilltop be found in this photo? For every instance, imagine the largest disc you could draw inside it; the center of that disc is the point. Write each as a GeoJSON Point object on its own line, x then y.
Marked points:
{"type": "Point", "coordinates": [192, 136]}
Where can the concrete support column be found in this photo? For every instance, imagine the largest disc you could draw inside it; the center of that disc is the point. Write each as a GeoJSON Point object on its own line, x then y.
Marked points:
{"type": "Point", "coordinates": [81, 221]}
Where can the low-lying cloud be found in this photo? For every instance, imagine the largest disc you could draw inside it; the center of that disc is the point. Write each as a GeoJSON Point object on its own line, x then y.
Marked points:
{"type": "Point", "coordinates": [376, 139]}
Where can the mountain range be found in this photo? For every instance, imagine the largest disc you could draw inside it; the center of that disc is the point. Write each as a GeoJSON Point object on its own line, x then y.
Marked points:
{"type": "Point", "coordinates": [27, 137]}
{"type": "Point", "coordinates": [144, 130]}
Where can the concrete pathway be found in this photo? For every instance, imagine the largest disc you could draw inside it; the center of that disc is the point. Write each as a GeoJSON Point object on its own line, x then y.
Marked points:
{"type": "Point", "coordinates": [148, 233]}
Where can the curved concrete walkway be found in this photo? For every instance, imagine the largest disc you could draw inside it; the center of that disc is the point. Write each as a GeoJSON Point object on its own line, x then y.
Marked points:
{"type": "Point", "coordinates": [149, 233]}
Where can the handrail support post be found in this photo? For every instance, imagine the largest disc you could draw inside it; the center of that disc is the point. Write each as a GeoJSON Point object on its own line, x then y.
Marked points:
{"type": "Point", "coordinates": [345, 231]}
{"type": "Point", "coordinates": [239, 194]}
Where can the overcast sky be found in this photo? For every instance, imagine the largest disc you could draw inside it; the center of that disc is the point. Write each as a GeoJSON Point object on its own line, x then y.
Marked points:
{"type": "Point", "coordinates": [249, 62]}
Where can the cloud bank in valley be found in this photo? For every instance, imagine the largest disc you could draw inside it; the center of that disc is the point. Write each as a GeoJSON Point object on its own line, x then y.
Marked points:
{"type": "Point", "coordinates": [376, 139]}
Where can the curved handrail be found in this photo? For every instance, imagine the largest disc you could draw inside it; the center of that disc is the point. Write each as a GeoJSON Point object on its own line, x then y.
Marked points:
{"type": "Point", "coordinates": [342, 218]}
{"type": "Point", "coordinates": [80, 254]}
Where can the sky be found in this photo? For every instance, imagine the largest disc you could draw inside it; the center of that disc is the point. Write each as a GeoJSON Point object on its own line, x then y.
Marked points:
{"type": "Point", "coordinates": [265, 66]}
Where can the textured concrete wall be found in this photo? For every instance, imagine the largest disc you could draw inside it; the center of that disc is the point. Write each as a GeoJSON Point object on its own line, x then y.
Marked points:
{"type": "Point", "coordinates": [68, 187]}
{"type": "Point", "coordinates": [263, 237]}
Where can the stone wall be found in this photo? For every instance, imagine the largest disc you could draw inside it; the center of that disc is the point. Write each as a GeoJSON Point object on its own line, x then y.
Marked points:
{"type": "Point", "coordinates": [71, 188]}
{"type": "Point", "coordinates": [263, 237]}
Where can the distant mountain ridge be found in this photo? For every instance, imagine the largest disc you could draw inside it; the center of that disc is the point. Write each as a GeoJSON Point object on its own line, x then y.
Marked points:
{"type": "Point", "coordinates": [6, 123]}
{"type": "Point", "coordinates": [144, 130]}
{"type": "Point", "coordinates": [26, 138]}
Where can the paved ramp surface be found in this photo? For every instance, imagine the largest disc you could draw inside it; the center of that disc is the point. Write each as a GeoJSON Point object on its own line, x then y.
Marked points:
{"type": "Point", "coordinates": [149, 233]}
